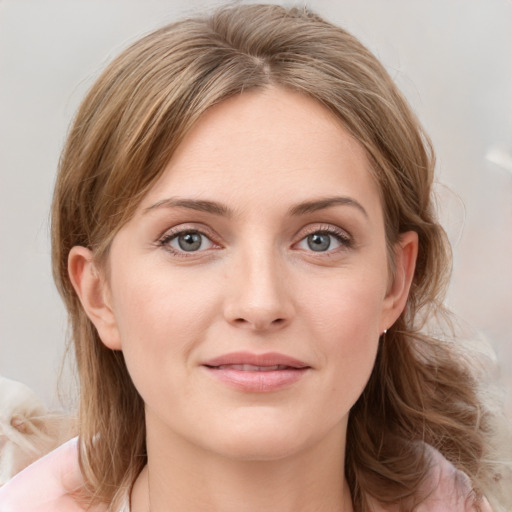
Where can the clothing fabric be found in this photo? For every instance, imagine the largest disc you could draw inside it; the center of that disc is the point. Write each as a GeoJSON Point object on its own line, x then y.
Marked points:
{"type": "Point", "coordinates": [48, 486]}
{"type": "Point", "coordinates": [126, 505]}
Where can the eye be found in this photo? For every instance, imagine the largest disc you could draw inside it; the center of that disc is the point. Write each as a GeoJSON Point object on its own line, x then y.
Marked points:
{"type": "Point", "coordinates": [319, 242]}
{"type": "Point", "coordinates": [187, 241]}
{"type": "Point", "coordinates": [324, 241]}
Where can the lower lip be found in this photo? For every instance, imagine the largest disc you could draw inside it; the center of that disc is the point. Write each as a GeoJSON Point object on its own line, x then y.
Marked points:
{"type": "Point", "coordinates": [258, 382]}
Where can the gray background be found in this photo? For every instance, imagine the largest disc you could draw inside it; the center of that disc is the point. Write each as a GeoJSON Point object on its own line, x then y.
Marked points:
{"type": "Point", "coordinates": [452, 58]}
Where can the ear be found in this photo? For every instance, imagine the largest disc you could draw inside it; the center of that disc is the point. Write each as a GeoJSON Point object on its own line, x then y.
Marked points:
{"type": "Point", "coordinates": [406, 252]}
{"type": "Point", "coordinates": [93, 291]}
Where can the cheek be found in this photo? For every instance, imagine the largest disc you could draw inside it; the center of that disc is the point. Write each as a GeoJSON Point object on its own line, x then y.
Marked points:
{"type": "Point", "coordinates": [158, 306]}
{"type": "Point", "coordinates": [345, 322]}
{"type": "Point", "coordinates": [347, 306]}
{"type": "Point", "coordinates": [161, 318]}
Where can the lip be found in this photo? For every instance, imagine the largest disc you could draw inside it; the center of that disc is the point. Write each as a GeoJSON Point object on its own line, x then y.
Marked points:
{"type": "Point", "coordinates": [265, 359]}
{"type": "Point", "coordinates": [256, 373]}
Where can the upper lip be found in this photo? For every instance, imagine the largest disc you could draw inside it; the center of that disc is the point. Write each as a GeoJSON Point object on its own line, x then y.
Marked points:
{"type": "Point", "coordinates": [266, 359]}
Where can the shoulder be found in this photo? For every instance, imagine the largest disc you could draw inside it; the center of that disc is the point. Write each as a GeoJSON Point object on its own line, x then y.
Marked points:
{"type": "Point", "coordinates": [51, 480]}
{"type": "Point", "coordinates": [445, 488]}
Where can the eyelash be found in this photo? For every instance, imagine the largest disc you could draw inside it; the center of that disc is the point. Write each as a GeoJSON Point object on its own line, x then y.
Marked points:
{"type": "Point", "coordinates": [341, 236]}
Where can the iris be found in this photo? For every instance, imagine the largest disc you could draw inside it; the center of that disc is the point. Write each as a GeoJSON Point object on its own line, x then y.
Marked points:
{"type": "Point", "coordinates": [319, 242]}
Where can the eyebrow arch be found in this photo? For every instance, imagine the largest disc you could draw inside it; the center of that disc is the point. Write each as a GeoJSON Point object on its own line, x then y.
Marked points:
{"type": "Point", "coordinates": [192, 204]}
{"type": "Point", "coordinates": [320, 204]}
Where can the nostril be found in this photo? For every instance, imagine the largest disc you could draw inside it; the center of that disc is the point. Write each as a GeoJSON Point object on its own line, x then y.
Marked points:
{"type": "Point", "coordinates": [259, 325]}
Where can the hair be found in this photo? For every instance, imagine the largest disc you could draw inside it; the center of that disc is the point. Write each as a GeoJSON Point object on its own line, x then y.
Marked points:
{"type": "Point", "coordinates": [125, 132]}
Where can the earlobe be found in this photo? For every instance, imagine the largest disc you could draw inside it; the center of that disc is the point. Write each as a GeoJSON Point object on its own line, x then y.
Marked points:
{"type": "Point", "coordinates": [93, 292]}
{"type": "Point", "coordinates": [406, 252]}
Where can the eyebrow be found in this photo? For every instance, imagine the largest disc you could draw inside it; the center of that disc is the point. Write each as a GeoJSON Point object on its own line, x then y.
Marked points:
{"type": "Point", "coordinates": [321, 204]}
{"type": "Point", "coordinates": [222, 210]}
{"type": "Point", "coordinates": [192, 204]}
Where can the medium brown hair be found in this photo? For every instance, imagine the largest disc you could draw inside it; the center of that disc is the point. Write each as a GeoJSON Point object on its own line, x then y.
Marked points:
{"type": "Point", "coordinates": [124, 134]}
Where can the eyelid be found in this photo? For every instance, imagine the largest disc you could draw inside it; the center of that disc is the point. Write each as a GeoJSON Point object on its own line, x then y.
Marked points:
{"type": "Point", "coordinates": [325, 228]}
{"type": "Point", "coordinates": [187, 227]}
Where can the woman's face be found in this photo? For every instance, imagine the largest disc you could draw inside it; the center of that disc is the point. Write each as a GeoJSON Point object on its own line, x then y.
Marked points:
{"type": "Point", "coordinates": [249, 291]}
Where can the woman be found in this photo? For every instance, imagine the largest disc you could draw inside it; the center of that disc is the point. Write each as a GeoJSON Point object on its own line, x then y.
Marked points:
{"type": "Point", "coordinates": [244, 237]}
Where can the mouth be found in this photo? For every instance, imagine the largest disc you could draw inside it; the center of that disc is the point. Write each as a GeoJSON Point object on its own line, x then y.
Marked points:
{"type": "Point", "coordinates": [256, 373]}
{"type": "Point", "coordinates": [252, 367]}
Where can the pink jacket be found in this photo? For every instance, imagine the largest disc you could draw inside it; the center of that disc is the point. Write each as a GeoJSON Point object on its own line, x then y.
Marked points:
{"type": "Point", "coordinates": [46, 485]}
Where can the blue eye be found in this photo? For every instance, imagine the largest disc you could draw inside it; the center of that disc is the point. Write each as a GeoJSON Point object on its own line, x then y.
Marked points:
{"type": "Point", "coordinates": [323, 241]}
{"type": "Point", "coordinates": [187, 241]}
{"type": "Point", "coordinates": [319, 242]}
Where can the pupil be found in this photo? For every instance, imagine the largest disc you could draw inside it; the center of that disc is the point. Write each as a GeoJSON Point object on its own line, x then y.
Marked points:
{"type": "Point", "coordinates": [189, 241]}
{"type": "Point", "coordinates": [318, 242]}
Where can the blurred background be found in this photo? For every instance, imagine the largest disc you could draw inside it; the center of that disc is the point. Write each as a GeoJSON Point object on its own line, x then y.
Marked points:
{"type": "Point", "coordinates": [451, 58]}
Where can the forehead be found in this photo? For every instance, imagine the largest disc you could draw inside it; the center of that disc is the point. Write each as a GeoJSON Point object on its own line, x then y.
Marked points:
{"type": "Point", "coordinates": [267, 145]}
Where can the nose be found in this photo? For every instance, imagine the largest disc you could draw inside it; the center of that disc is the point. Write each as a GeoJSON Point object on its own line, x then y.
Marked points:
{"type": "Point", "coordinates": [259, 295]}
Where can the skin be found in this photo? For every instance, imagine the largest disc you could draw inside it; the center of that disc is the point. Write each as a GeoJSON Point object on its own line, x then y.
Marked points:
{"type": "Point", "coordinates": [254, 285]}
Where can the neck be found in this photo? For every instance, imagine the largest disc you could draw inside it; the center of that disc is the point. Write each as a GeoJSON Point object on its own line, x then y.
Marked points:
{"type": "Point", "coordinates": [180, 476]}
